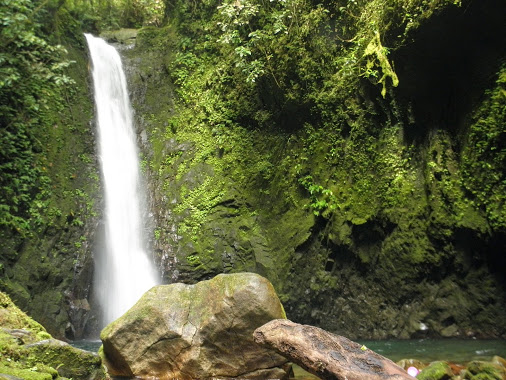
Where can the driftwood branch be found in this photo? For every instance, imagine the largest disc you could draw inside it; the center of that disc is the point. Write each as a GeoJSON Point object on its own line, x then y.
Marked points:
{"type": "Point", "coordinates": [328, 356]}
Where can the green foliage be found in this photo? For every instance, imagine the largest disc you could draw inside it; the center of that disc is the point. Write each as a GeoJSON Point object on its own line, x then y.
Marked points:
{"type": "Point", "coordinates": [115, 14]}
{"type": "Point", "coordinates": [48, 173]}
{"type": "Point", "coordinates": [484, 156]}
{"type": "Point", "coordinates": [283, 47]}
{"type": "Point", "coordinates": [287, 110]}
{"type": "Point", "coordinates": [323, 200]}
{"type": "Point", "coordinates": [292, 67]}
{"type": "Point", "coordinates": [31, 72]}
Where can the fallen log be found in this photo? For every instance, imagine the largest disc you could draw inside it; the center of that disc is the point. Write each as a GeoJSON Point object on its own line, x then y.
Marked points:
{"type": "Point", "coordinates": [328, 356]}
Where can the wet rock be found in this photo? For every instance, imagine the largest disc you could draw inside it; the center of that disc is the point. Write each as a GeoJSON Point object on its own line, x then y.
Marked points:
{"type": "Point", "coordinates": [499, 360]}
{"type": "Point", "coordinates": [450, 331]}
{"type": "Point", "coordinates": [196, 331]}
{"type": "Point", "coordinates": [29, 352]}
{"type": "Point", "coordinates": [23, 336]}
{"type": "Point", "coordinates": [436, 371]}
{"type": "Point", "coordinates": [123, 36]}
{"type": "Point", "coordinates": [4, 376]}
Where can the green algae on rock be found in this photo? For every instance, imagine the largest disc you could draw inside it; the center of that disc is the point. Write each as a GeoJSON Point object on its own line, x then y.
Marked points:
{"type": "Point", "coordinates": [480, 370]}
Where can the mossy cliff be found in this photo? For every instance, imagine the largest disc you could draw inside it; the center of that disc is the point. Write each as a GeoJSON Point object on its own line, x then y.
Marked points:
{"type": "Point", "coordinates": [50, 181]}
{"type": "Point", "coordinates": [352, 152]}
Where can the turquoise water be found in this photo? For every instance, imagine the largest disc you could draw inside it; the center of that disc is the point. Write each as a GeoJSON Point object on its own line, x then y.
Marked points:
{"type": "Point", "coordinates": [426, 350]}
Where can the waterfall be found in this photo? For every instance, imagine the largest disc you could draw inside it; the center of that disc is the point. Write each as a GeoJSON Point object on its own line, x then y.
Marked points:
{"type": "Point", "coordinates": [123, 271]}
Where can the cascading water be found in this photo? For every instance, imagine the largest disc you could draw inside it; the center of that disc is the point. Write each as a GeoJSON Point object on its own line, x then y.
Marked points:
{"type": "Point", "coordinates": [123, 272]}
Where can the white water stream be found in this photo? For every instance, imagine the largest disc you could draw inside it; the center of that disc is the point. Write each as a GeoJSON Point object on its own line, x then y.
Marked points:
{"type": "Point", "coordinates": [123, 271]}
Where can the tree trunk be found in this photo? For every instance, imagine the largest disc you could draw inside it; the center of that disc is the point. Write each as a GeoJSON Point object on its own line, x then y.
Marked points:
{"type": "Point", "coordinates": [328, 356]}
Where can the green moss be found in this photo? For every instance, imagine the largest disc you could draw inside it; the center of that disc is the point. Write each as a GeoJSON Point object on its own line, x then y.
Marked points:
{"type": "Point", "coordinates": [69, 361]}
{"type": "Point", "coordinates": [29, 352]}
{"type": "Point", "coordinates": [484, 155]}
{"type": "Point", "coordinates": [436, 371]}
{"type": "Point", "coordinates": [64, 207]}
{"type": "Point", "coordinates": [12, 317]}
{"type": "Point", "coordinates": [376, 49]}
{"type": "Point", "coordinates": [27, 374]}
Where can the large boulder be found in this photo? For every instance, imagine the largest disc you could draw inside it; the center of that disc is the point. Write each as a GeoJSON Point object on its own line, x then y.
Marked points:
{"type": "Point", "coordinates": [197, 331]}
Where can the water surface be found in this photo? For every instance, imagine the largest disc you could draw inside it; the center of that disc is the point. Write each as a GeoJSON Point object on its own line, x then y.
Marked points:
{"type": "Point", "coordinates": [427, 350]}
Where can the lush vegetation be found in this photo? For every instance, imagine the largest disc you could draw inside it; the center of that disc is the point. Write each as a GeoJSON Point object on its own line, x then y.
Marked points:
{"type": "Point", "coordinates": [31, 75]}
{"type": "Point", "coordinates": [330, 146]}
{"type": "Point", "coordinates": [48, 174]}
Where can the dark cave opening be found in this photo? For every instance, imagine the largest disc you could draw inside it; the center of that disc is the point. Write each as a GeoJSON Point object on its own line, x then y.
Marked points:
{"type": "Point", "coordinates": [454, 59]}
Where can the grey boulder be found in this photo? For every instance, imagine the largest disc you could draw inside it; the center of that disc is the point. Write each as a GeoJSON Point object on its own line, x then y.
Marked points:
{"type": "Point", "coordinates": [197, 331]}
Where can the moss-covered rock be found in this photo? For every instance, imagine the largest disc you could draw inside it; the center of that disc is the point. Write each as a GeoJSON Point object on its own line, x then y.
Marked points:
{"type": "Point", "coordinates": [28, 352]}
{"type": "Point", "coordinates": [436, 371]}
{"type": "Point", "coordinates": [11, 318]}
{"type": "Point", "coordinates": [480, 370]}
{"type": "Point", "coordinates": [122, 36]}
{"type": "Point", "coordinates": [47, 267]}
{"type": "Point", "coordinates": [69, 362]}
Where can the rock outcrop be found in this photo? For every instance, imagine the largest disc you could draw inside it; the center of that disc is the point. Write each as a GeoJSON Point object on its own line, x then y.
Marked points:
{"type": "Point", "coordinates": [326, 355]}
{"type": "Point", "coordinates": [29, 352]}
{"type": "Point", "coordinates": [196, 331]}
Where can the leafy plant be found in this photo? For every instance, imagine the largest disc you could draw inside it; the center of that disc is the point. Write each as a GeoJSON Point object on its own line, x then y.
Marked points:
{"type": "Point", "coordinates": [31, 73]}
{"type": "Point", "coordinates": [323, 201]}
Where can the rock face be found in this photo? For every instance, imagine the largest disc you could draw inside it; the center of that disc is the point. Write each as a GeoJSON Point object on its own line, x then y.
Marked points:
{"type": "Point", "coordinates": [384, 217]}
{"type": "Point", "coordinates": [326, 355]}
{"type": "Point", "coordinates": [49, 275]}
{"type": "Point", "coordinates": [196, 331]}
